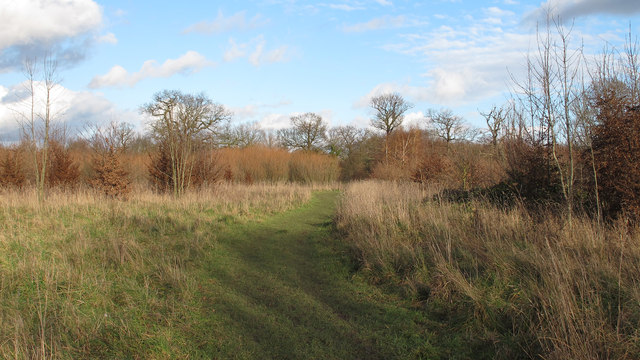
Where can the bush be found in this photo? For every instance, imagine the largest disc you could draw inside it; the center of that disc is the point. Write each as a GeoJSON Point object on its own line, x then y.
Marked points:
{"type": "Point", "coordinates": [62, 171]}
{"type": "Point", "coordinates": [11, 170]}
{"type": "Point", "coordinates": [616, 147]}
{"type": "Point", "coordinates": [110, 178]}
{"type": "Point", "coordinates": [160, 170]}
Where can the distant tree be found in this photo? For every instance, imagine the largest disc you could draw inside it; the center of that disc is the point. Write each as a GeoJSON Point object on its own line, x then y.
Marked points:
{"type": "Point", "coordinates": [388, 111]}
{"type": "Point", "coordinates": [447, 126]}
{"type": "Point", "coordinates": [307, 132]}
{"type": "Point", "coordinates": [242, 135]}
{"type": "Point", "coordinates": [496, 120]}
{"type": "Point", "coordinates": [343, 141]}
{"type": "Point", "coordinates": [356, 148]}
{"type": "Point", "coordinates": [181, 124]}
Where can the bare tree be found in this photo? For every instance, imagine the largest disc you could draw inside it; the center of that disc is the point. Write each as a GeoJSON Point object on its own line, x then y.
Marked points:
{"type": "Point", "coordinates": [181, 123]}
{"type": "Point", "coordinates": [496, 120]}
{"type": "Point", "coordinates": [447, 126]}
{"type": "Point", "coordinates": [36, 125]}
{"type": "Point", "coordinates": [388, 111]}
{"type": "Point", "coordinates": [342, 141]}
{"type": "Point", "coordinates": [549, 94]}
{"type": "Point", "coordinates": [308, 132]}
{"type": "Point", "coordinates": [117, 135]}
{"type": "Point", "coordinates": [242, 135]}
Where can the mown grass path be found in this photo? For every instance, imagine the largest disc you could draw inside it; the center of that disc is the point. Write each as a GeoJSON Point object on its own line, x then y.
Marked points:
{"type": "Point", "coordinates": [282, 288]}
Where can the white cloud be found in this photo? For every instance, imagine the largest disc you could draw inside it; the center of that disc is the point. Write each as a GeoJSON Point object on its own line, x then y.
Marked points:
{"type": "Point", "coordinates": [237, 21]}
{"type": "Point", "coordinates": [345, 7]}
{"type": "Point", "coordinates": [464, 64]}
{"type": "Point", "coordinates": [384, 2]}
{"type": "Point", "coordinates": [414, 119]}
{"type": "Point", "coordinates": [274, 122]}
{"type": "Point", "coordinates": [27, 21]}
{"type": "Point", "coordinates": [256, 52]}
{"type": "Point", "coordinates": [567, 10]}
{"type": "Point", "coordinates": [235, 52]}
{"type": "Point", "coordinates": [74, 110]}
{"type": "Point", "coordinates": [61, 29]}
{"type": "Point", "coordinates": [108, 38]}
{"type": "Point", "coordinates": [118, 76]}
{"type": "Point", "coordinates": [385, 22]}
{"type": "Point", "coordinates": [410, 92]}
{"type": "Point", "coordinates": [253, 111]}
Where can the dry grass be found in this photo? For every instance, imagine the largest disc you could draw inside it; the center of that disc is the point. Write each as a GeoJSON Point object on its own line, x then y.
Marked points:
{"type": "Point", "coordinates": [511, 285]}
{"type": "Point", "coordinates": [83, 271]}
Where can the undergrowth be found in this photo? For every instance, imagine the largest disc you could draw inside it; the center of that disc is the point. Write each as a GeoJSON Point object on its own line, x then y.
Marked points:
{"type": "Point", "coordinates": [502, 283]}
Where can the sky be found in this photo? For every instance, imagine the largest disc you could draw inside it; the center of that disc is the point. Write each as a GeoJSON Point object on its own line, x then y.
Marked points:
{"type": "Point", "coordinates": [269, 59]}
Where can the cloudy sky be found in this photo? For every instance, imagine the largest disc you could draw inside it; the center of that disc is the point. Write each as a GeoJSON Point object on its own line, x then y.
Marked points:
{"type": "Point", "coordinates": [268, 59]}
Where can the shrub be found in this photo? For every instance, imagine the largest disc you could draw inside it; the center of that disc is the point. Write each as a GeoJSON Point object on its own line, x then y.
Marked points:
{"type": "Point", "coordinates": [110, 178]}
{"type": "Point", "coordinates": [616, 147]}
{"type": "Point", "coordinates": [160, 170]}
{"type": "Point", "coordinates": [11, 170]}
{"type": "Point", "coordinates": [62, 170]}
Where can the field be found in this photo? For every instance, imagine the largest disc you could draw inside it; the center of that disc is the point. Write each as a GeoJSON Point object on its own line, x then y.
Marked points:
{"type": "Point", "coordinates": [376, 270]}
{"type": "Point", "coordinates": [234, 272]}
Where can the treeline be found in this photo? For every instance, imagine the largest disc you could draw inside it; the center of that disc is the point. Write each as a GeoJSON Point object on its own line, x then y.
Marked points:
{"type": "Point", "coordinates": [568, 139]}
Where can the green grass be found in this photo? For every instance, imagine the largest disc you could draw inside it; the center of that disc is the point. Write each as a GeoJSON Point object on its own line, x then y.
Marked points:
{"type": "Point", "coordinates": [281, 289]}
{"type": "Point", "coordinates": [187, 280]}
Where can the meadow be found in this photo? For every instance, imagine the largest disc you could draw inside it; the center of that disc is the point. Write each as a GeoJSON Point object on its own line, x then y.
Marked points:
{"type": "Point", "coordinates": [83, 276]}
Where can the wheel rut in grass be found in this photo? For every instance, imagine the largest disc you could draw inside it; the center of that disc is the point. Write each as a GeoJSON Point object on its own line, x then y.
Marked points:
{"type": "Point", "coordinates": [282, 288]}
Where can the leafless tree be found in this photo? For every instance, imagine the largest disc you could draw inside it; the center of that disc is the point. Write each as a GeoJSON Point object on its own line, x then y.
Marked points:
{"type": "Point", "coordinates": [116, 135]}
{"type": "Point", "coordinates": [307, 132]}
{"type": "Point", "coordinates": [388, 111]}
{"type": "Point", "coordinates": [549, 95]}
{"type": "Point", "coordinates": [36, 125]}
{"type": "Point", "coordinates": [496, 120]}
{"type": "Point", "coordinates": [181, 123]}
{"type": "Point", "coordinates": [342, 141]}
{"type": "Point", "coordinates": [242, 135]}
{"type": "Point", "coordinates": [447, 126]}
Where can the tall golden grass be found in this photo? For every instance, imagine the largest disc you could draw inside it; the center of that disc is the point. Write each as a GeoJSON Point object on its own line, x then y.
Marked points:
{"type": "Point", "coordinates": [260, 164]}
{"type": "Point", "coordinates": [254, 164]}
{"type": "Point", "coordinates": [525, 287]}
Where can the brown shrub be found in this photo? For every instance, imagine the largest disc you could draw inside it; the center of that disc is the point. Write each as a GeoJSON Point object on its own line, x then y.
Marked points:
{"type": "Point", "coordinates": [160, 170]}
{"type": "Point", "coordinates": [11, 169]}
{"type": "Point", "coordinates": [616, 146]}
{"type": "Point", "coordinates": [430, 169]}
{"type": "Point", "coordinates": [62, 170]}
{"type": "Point", "coordinates": [206, 169]}
{"type": "Point", "coordinates": [530, 171]}
{"type": "Point", "coordinates": [110, 177]}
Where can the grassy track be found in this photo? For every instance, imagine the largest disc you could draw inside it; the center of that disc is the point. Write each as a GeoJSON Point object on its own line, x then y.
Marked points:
{"type": "Point", "coordinates": [281, 289]}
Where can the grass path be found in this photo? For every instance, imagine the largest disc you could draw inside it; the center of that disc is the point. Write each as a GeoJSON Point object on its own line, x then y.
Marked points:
{"type": "Point", "coordinates": [282, 288]}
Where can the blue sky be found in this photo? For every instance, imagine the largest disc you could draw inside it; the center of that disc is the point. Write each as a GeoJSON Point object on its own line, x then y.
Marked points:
{"type": "Point", "coordinates": [268, 59]}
